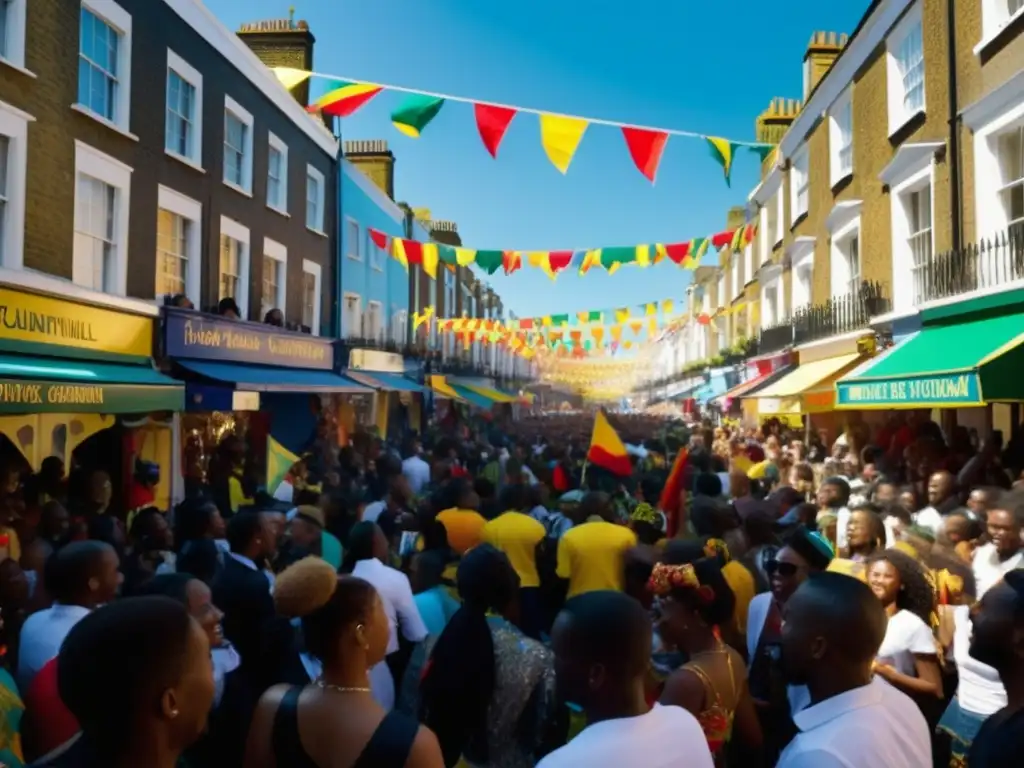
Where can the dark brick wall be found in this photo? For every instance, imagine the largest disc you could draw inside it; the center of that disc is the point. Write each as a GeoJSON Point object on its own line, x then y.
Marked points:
{"type": "Point", "coordinates": [52, 54]}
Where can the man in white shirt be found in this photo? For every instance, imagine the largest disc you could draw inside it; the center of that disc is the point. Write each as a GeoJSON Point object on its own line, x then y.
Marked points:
{"type": "Point", "coordinates": [1002, 554]}
{"type": "Point", "coordinates": [602, 645]}
{"type": "Point", "coordinates": [833, 628]}
{"type": "Point", "coordinates": [84, 576]}
{"type": "Point", "coordinates": [368, 547]}
{"type": "Point", "coordinates": [415, 469]}
{"type": "Point", "coordinates": [941, 501]}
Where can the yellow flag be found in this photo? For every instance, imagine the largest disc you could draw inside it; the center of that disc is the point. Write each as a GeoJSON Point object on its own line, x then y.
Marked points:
{"type": "Point", "coordinates": [651, 309]}
{"type": "Point", "coordinates": [643, 255]}
{"type": "Point", "coordinates": [430, 260]}
{"type": "Point", "coordinates": [465, 256]}
{"type": "Point", "coordinates": [290, 77]}
{"type": "Point", "coordinates": [622, 315]}
{"type": "Point", "coordinates": [667, 306]}
{"type": "Point", "coordinates": [590, 258]}
{"type": "Point", "coordinates": [398, 252]}
{"type": "Point", "coordinates": [560, 136]}
{"type": "Point", "coordinates": [614, 267]}
{"type": "Point", "coordinates": [652, 326]}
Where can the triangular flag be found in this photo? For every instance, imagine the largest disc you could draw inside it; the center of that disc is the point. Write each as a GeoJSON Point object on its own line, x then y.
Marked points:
{"type": "Point", "coordinates": [398, 252]}
{"type": "Point", "coordinates": [430, 260]}
{"type": "Point", "coordinates": [598, 334]}
{"type": "Point", "coordinates": [616, 332]}
{"type": "Point", "coordinates": [344, 98]}
{"type": "Point", "coordinates": [723, 151]}
{"type": "Point", "coordinates": [637, 326]}
{"type": "Point", "coordinates": [413, 251]}
{"type": "Point", "coordinates": [379, 238]}
{"type": "Point", "coordinates": [492, 121]}
{"type": "Point", "coordinates": [590, 259]}
{"type": "Point", "coordinates": [666, 306]}
{"type": "Point", "coordinates": [512, 261]}
{"type": "Point", "coordinates": [677, 251]}
{"type": "Point", "coordinates": [762, 150]}
{"type": "Point", "coordinates": [560, 136]}
{"type": "Point", "coordinates": [446, 254]}
{"type": "Point", "coordinates": [415, 113]}
{"type": "Point", "coordinates": [645, 147]}
{"type": "Point", "coordinates": [465, 256]}
{"type": "Point", "coordinates": [622, 315]}
{"type": "Point", "coordinates": [722, 239]}
{"type": "Point", "coordinates": [290, 77]}
{"type": "Point", "coordinates": [490, 261]}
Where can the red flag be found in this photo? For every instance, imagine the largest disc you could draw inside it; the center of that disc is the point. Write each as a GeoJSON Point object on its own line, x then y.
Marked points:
{"type": "Point", "coordinates": [645, 147]}
{"type": "Point", "coordinates": [722, 239]}
{"type": "Point", "coordinates": [559, 260]}
{"type": "Point", "coordinates": [677, 251]}
{"type": "Point", "coordinates": [492, 121]}
{"type": "Point", "coordinates": [378, 237]}
{"type": "Point", "coordinates": [672, 501]}
{"type": "Point", "coordinates": [511, 261]}
{"type": "Point", "coordinates": [413, 251]}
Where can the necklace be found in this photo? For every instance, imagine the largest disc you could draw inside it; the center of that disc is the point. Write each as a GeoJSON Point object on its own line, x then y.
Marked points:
{"type": "Point", "coordinates": [324, 686]}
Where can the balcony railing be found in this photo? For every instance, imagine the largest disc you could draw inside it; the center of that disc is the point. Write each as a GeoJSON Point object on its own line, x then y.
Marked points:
{"type": "Point", "coordinates": [992, 262]}
{"type": "Point", "coordinates": [775, 339]}
{"type": "Point", "coordinates": [841, 314]}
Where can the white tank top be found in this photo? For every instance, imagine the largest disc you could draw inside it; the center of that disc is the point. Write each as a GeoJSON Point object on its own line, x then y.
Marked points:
{"type": "Point", "coordinates": [980, 691]}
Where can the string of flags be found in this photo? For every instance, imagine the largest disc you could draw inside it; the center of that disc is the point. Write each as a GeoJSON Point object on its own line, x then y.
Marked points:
{"type": "Point", "coordinates": [686, 254]}
{"type": "Point", "coordinates": [560, 134]}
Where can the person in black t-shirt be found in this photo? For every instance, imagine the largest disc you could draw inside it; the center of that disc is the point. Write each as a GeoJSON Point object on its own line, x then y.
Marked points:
{"type": "Point", "coordinates": [998, 640]}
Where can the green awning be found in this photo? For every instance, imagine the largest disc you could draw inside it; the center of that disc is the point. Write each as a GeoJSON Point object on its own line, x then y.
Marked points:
{"type": "Point", "coordinates": [36, 384]}
{"type": "Point", "coordinates": [943, 366]}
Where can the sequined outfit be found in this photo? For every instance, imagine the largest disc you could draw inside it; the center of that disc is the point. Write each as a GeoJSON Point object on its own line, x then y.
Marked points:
{"type": "Point", "coordinates": [523, 705]}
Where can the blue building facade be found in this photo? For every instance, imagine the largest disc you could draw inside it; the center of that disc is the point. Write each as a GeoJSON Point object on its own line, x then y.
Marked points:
{"type": "Point", "coordinates": [373, 288]}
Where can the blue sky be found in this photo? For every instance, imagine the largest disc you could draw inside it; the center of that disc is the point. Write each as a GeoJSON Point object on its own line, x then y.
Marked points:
{"type": "Point", "coordinates": [710, 67]}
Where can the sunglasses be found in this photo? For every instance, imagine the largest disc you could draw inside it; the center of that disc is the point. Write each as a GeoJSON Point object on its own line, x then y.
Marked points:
{"type": "Point", "coordinates": [786, 570]}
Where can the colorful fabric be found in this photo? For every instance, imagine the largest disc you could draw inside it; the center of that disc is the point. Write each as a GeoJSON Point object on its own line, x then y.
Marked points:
{"type": "Point", "coordinates": [723, 151]}
{"type": "Point", "coordinates": [11, 710]}
{"type": "Point", "coordinates": [607, 449]}
{"type": "Point", "coordinates": [415, 113]}
{"type": "Point", "coordinates": [345, 98]}
{"type": "Point", "coordinates": [561, 136]}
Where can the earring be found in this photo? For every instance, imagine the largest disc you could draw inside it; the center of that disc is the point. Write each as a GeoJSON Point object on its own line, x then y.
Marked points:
{"type": "Point", "coordinates": [174, 712]}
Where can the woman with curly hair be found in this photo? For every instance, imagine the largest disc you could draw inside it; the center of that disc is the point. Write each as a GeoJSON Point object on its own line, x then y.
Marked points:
{"type": "Point", "coordinates": [335, 721]}
{"type": "Point", "coordinates": [908, 657]}
{"type": "Point", "coordinates": [692, 600]}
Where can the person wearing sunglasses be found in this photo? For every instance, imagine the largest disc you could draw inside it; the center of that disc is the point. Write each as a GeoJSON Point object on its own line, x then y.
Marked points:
{"type": "Point", "coordinates": [804, 552]}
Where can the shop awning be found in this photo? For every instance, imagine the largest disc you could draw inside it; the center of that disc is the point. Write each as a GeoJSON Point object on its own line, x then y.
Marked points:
{"type": "Point", "coordinates": [386, 382]}
{"type": "Point", "coordinates": [944, 366]}
{"type": "Point", "coordinates": [37, 384]}
{"type": "Point", "coordinates": [473, 398]}
{"type": "Point", "coordinates": [495, 395]}
{"type": "Point", "coordinates": [685, 394]}
{"type": "Point", "coordinates": [260, 378]}
{"type": "Point", "coordinates": [807, 376]}
{"type": "Point", "coordinates": [750, 387]}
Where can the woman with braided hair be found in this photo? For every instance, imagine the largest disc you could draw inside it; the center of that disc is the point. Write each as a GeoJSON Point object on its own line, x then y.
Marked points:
{"type": "Point", "coordinates": [692, 600]}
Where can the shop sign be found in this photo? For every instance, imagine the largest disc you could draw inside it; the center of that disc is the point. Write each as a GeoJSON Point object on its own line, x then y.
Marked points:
{"type": "Point", "coordinates": [28, 317]}
{"type": "Point", "coordinates": [926, 391]}
{"type": "Point", "coordinates": [202, 337]}
{"type": "Point", "coordinates": [17, 396]}
{"type": "Point", "coordinates": [374, 360]}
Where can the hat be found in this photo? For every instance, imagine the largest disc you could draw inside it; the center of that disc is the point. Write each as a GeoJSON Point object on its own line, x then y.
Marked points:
{"type": "Point", "coordinates": [812, 547]}
{"type": "Point", "coordinates": [309, 513]}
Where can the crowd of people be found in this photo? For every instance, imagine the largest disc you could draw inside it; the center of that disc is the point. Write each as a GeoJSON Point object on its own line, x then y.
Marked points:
{"type": "Point", "coordinates": [486, 597]}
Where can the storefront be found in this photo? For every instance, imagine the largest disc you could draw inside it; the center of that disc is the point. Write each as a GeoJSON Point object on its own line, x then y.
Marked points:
{"type": "Point", "coordinates": [398, 401]}
{"type": "Point", "coordinates": [276, 389]}
{"type": "Point", "coordinates": [760, 373]}
{"type": "Point", "coordinates": [79, 380]}
{"type": "Point", "coordinates": [960, 359]}
{"type": "Point", "coordinates": [809, 388]}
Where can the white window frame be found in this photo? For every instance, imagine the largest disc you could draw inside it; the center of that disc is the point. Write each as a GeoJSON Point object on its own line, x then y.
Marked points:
{"type": "Point", "coordinates": [14, 125]}
{"type": "Point", "coordinates": [840, 111]}
{"type": "Point", "coordinates": [996, 114]}
{"type": "Point", "coordinates": [279, 253]}
{"type": "Point", "coordinates": [912, 179]}
{"type": "Point", "coordinates": [120, 20]}
{"type": "Point", "coordinates": [748, 262]}
{"type": "Point", "coordinates": [375, 254]}
{"type": "Point", "coordinates": [400, 327]}
{"type": "Point", "coordinates": [245, 117]}
{"type": "Point", "coordinates": [15, 42]}
{"type": "Point", "coordinates": [276, 143]}
{"type": "Point", "coordinates": [346, 331]}
{"type": "Point", "coordinates": [842, 280]}
{"type": "Point", "coordinates": [240, 234]}
{"type": "Point", "coordinates": [312, 172]}
{"type": "Point", "coordinates": [995, 18]}
{"type": "Point", "coordinates": [765, 251]}
{"type": "Point", "coordinates": [780, 223]}
{"type": "Point", "coordinates": [174, 202]}
{"type": "Point", "coordinates": [194, 77]}
{"type": "Point", "coordinates": [353, 239]}
{"type": "Point", "coordinates": [314, 269]}
{"type": "Point", "coordinates": [369, 331]}
{"type": "Point", "coordinates": [899, 115]}
{"type": "Point", "coordinates": [801, 256]}
{"type": "Point", "coordinates": [89, 161]}
{"type": "Point", "coordinates": [799, 184]}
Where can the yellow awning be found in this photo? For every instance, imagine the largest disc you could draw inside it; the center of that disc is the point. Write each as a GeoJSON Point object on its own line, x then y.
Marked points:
{"type": "Point", "coordinates": [441, 387]}
{"type": "Point", "coordinates": [808, 376]}
{"type": "Point", "coordinates": [492, 394]}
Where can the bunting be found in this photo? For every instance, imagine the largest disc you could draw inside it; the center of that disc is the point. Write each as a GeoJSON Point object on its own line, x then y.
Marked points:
{"type": "Point", "coordinates": [561, 134]}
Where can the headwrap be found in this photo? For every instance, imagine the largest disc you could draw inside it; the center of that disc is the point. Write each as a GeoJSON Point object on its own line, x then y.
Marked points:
{"type": "Point", "coordinates": [665, 578]}
{"type": "Point", "coordinates": [717, 548]}
{"type": "Point", "coordinates": [645, 513]}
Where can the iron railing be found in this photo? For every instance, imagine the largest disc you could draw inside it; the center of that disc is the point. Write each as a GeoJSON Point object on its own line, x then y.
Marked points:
{"type": "Point", "coordinates": [995, 261]}
{"type": "Point", "coordinates": [775, 338]}
{"type": "Point", "coordinates": [841, 314]}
